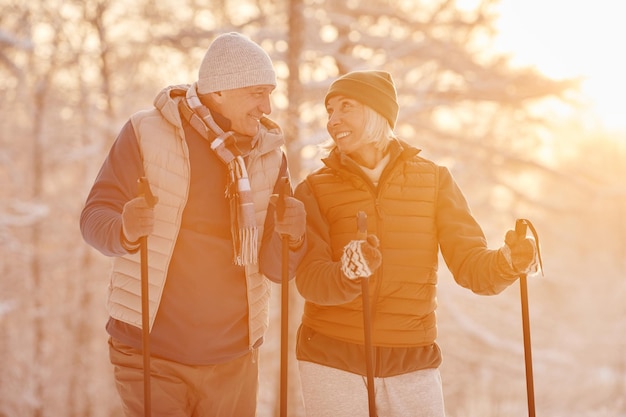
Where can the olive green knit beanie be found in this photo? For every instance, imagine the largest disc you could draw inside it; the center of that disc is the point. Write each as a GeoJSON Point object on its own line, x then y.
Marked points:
{"type": "Point", "coordinates": [234, 61]}
{"type": "Point", "coordinates": [375, 89]}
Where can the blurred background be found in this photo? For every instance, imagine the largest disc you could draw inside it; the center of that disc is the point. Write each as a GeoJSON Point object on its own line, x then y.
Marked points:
{"type": "Point", "coordinates": [522, 100]}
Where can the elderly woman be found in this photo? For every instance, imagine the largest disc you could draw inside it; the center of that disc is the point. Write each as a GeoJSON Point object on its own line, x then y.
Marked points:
{"type": "Point", "coordinates": [414, 208]}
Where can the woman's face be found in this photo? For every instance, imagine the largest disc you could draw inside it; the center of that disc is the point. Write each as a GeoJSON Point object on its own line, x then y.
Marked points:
{"type": "Point", "coordinates": [346, 121]}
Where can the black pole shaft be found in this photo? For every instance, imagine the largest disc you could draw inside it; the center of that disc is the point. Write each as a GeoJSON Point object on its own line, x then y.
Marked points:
{"type": "Point", "coordinates": [145, 327]}
{"type": "Point", "coordinates": [367, 323]}
{"type": "Point", "coordinates": [284, 191]}
{"type": "Point", "coordinates": [284, 328]}
{"type": "Point", "coordinates": [367, 333]}
{"type": "Point", "coordinates": [521, 227]}
{"type": "Point", "coordinates": [530, 393]}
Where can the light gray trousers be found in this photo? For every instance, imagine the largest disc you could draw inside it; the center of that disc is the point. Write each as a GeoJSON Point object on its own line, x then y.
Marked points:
{"type": "Point", "coordinates": [332, 392]}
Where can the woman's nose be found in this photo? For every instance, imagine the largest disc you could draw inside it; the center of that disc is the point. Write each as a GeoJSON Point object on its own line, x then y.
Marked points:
{"type": "Point", "coordinates": [333, 119]}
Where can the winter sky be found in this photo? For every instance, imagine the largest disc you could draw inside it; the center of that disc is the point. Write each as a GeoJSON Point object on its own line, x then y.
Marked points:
{"type": "Point", "coordinates": [571, 38]}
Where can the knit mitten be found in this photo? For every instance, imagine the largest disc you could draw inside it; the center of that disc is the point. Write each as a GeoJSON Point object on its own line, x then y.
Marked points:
{"type": "Point", "coordinates": [361, 258]}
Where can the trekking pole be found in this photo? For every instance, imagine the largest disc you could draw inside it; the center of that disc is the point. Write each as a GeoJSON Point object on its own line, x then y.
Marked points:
{"type": "Point", "coordinates": [367, 322]}
{"type": "Point", "coordinates": [285, 189]}
{"type": "Point", "coordinates": [144, 189]}
{"type": "Point", "coordinates": [520, 231]}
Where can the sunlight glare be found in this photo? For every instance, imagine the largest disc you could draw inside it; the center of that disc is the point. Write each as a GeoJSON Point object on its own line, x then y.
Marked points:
{"type": "Point", "coordinates": [571, 39]}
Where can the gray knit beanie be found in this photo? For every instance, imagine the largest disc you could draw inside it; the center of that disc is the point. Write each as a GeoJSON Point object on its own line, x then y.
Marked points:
{"type": "Point", "coordinates": [234, 61]}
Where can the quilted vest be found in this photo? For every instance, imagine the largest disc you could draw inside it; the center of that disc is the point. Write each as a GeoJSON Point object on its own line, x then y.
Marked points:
{"type": "Point", "coordinates": [166, 164]}
{"type": "Point", "coordinates": [401, 212]}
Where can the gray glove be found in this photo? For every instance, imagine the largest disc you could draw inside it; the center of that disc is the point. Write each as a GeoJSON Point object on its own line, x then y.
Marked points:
{"type": "Point", "coordinates": [137, 219]}
{"type": "Point", "coordinates": [520, 253]}
{"type": "Point", "coordinates": [293, 221]}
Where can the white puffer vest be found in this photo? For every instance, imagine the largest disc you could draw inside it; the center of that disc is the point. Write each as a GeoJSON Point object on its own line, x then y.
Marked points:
{"type": "Point", "coordinates": [166, 164]}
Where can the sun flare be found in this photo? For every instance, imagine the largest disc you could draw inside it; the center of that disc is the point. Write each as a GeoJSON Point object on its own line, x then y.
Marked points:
{"type": "Point", "coordinates": [566, 39]}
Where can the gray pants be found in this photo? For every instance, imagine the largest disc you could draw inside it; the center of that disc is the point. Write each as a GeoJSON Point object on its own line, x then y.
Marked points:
{"type": "Point", "coordinates": [332, 392]}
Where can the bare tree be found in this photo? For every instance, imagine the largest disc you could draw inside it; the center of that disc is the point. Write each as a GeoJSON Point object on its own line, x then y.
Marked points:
{"type": "Point", "coordinates": [71, 73]}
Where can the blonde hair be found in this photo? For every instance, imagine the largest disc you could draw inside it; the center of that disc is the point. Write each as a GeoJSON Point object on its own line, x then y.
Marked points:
{"type": "Point", "coordinates": [376, 130]}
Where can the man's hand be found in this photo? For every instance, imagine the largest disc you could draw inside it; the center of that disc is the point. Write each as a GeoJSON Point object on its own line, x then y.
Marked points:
{"type": "Point", "coordinates": [292, 223]}
{"type": "Point", "coordinates": [137, 219]}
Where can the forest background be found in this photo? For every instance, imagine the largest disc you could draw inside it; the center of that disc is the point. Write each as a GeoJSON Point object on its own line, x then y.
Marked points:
{"type": "Point", "coordinates": [518, 142]}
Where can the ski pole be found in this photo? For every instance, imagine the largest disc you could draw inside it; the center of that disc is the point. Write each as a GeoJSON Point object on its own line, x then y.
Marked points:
{"type": "Point", "coordinates": [520, 231]}
{"type": "Point", "coordinates": [285, 189]}
{"type": "Point", "coordinates": [367, 322]}
{"type": "Point", "coordinates": [144, 189]}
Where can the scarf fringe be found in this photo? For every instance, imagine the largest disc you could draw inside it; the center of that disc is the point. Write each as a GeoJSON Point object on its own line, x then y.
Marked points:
{"type": "Point", "coordinates": [248, 247]}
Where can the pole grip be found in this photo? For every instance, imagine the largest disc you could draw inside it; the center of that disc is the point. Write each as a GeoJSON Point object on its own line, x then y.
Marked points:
{"type": "Point", "coordinates": [521, 227]}
{"type": "Point", "coordinates": [145, 191]}
{"type": "Point", "coordinates": [361, 225]}
{"type": "Point", "coordinates": [284, 190]}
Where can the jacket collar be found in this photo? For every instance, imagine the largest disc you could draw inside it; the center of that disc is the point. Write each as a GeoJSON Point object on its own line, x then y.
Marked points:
{"type": "Point", "coordinates": [399, 150]}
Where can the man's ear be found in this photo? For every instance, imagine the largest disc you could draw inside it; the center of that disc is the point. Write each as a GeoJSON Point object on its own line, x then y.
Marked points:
{"type": "Point", "coordinates": [217, 98]}
{"type": "Point", "coordinates": [209, 98]}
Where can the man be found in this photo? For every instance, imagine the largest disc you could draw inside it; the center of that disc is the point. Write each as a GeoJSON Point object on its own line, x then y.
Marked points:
{"type": "Point", "coordinates": [212, 160]}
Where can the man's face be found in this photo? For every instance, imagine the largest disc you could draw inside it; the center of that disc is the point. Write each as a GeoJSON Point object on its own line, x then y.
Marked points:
{"type": "Point", "coordinates": [244, 107]}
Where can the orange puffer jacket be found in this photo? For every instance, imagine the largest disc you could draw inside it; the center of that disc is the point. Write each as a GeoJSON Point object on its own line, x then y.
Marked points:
{"type": "Point", "coordinates": [416, 209]}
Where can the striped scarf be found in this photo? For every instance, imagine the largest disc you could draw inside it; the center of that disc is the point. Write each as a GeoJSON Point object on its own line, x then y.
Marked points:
{"type": "Point", "coordinates": [243, 228]}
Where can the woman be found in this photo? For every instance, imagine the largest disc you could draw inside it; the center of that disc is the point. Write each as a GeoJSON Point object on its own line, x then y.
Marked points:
{"type": "Point", "coordinates": [413, 207]}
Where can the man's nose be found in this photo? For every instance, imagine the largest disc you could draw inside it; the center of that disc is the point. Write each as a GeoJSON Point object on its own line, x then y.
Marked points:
{"type": "Point", "coordinates": [266, 105]}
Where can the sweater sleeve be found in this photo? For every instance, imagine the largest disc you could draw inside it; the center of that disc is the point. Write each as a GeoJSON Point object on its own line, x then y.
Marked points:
{"type": "Point", "coordinates": [115, 184]}
{"type": "Point", "coordinates": [463, 244]}
{"type": "Point", "coordinates": [319, 278]}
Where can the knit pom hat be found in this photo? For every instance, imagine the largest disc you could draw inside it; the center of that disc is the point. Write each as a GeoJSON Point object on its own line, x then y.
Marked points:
{"type": "Point", "coordinates": [234, 61]}
{"type": "Point", "coordinates": [375, 89]}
